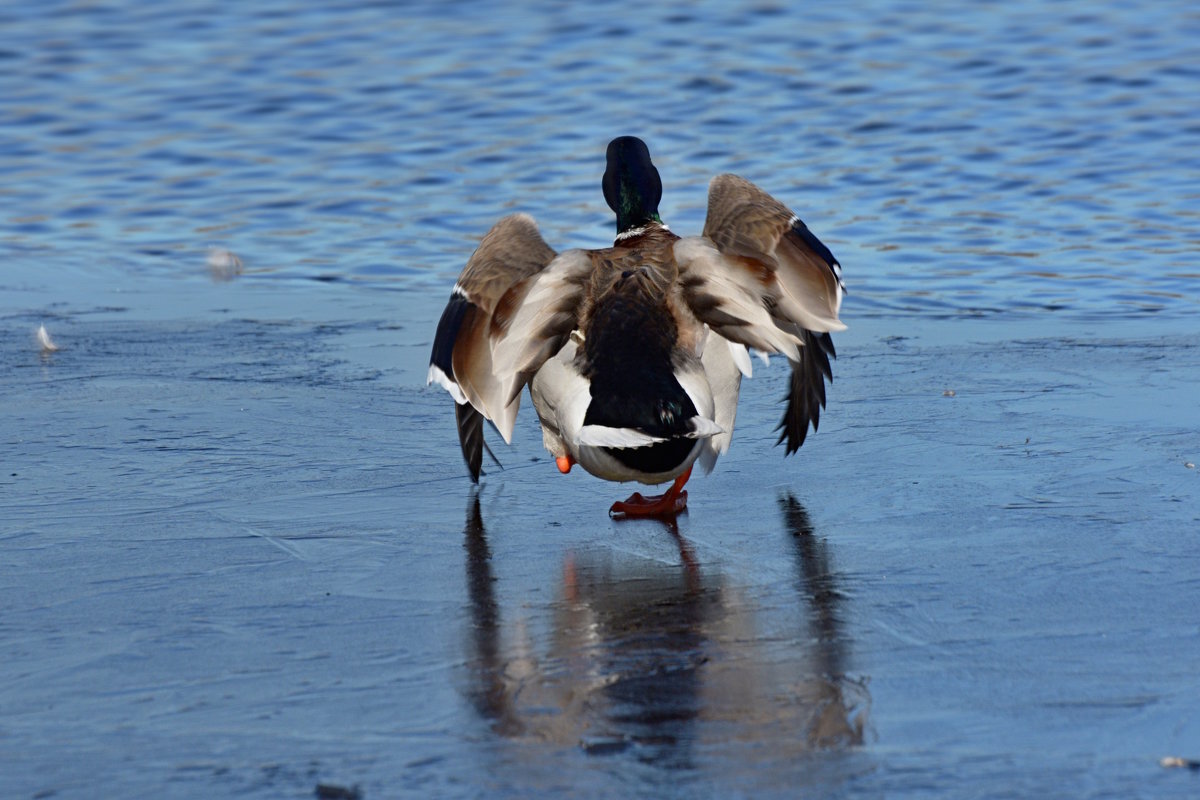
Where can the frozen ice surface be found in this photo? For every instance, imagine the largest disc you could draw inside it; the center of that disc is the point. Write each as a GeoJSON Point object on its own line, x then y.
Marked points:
{"type": "Point", "coordinates": [241, 556]}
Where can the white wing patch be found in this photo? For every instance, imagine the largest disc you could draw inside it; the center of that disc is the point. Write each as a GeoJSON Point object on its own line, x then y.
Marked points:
{"type": "Point", "coordinates": [442, 379]}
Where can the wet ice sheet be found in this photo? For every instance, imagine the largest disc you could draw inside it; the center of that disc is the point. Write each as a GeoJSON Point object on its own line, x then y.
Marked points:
{"type": "Point", "coordinates": [241, 555]}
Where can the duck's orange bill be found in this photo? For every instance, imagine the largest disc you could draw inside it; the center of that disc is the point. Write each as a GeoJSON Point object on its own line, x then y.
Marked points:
{"type": "Point", "coordinates": [564, 464]}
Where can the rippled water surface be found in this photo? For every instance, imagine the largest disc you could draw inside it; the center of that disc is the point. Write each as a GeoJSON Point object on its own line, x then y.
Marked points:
{"type": "Point", "coordinates": [987, 158]}
{"type": "Point", "coordinates": [238, 554]}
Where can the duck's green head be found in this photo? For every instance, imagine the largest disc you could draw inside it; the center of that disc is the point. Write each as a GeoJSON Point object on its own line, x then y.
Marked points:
{"type": "Point", "coordinates": [631, 184]}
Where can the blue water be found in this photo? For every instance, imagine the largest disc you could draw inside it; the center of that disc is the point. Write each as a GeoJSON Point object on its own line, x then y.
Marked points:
{"type": "Point", "coordinates": [980, 159]}
{"type": "Point", "coordinates": [233, 551]}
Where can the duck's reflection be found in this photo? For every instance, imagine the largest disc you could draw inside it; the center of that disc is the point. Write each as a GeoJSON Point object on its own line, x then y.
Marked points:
{"type": "Point", "coordinates": [817, 584]}
{"type": "Point", "coordinates": [666, 660]}
{"type": "Point", "coordinates": [489, 693]}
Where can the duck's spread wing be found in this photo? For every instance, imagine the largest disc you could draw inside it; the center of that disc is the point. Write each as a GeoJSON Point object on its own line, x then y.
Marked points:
{"type": "Point", "coordinates": [498, 275]}
{"type": "Point", "coordinates": [759, 277]}
{"type": "Point", "coordinates": [801, 280]}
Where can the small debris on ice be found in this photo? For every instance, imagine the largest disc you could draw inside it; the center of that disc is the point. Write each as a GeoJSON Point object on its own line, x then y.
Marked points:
{"type": "Point", "coordinates": [223, 265]}
{"type": "Point", "coordinates": [44, 341]}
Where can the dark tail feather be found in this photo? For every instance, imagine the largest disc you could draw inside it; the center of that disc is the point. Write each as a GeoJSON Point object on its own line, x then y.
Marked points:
{"type": "Point", "coordinates": [470, 436]}
{"type": "Point", "coordinates": [806, 389]}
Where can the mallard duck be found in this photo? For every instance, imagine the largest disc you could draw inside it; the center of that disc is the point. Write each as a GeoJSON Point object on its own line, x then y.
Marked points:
{"type": "Point", "coordinates": [634, 354]}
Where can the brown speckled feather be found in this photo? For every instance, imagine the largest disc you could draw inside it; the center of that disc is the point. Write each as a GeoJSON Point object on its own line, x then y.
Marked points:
{"type": "Point", "coordinates": [510, 252]}
{"type": "Point", "coordinates": [799, 276]}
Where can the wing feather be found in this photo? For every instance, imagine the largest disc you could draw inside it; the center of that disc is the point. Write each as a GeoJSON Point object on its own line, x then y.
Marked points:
{"type": "Point", "coordinates": [728, 296]}
{"type": "Point", "coordinates": [806, 390]}
{"type": "Point", "coordinates": [801, 279]}
{"type": "Point", "coordinates": [538, 315]}
{"type": "Point", "coordinates": [510, 254]}
{"type": "Point", "coordinates": [759, 277]}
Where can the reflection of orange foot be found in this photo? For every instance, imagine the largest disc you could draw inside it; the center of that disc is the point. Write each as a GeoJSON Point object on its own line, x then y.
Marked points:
{"type": "Point", "coordinates": [663, 505]}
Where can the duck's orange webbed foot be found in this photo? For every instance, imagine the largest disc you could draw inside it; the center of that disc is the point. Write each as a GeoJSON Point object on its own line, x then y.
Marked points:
{"type": "Point", "coordinates": [662, 505]}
